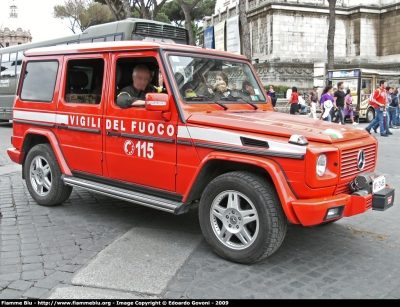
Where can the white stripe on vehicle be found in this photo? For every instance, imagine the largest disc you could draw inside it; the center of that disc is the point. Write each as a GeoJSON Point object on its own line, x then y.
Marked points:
{"type": "Point", "coordinates": [61, 119]}
{"type": "Point", "coordinates": [233, 138]}
{"type": "Point", "coordinates": [42, 117]}
{"type": "Point", "coordinates": [183, 132]}
{"type": "Point", "coordinates": [36, 116]}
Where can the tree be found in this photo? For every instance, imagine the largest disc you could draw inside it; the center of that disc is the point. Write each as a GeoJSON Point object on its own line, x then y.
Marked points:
{"type": "Point", "coordinates": [120, 9]}
{"type": "Point", "coordinates": [146, 9]}
{"type": "Point", "coordinates": [245, 29]}
{"type": "Point", "coordinates": [330, 46]}
{"type": "Point", "coordinates": [82, 13]}
{"type": "Point", "coordinates": [186, 8]}
{"type": "Point", "coordinates": [174, 11]}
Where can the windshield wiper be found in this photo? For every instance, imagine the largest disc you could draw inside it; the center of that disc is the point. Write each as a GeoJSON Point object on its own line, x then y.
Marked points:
{"type": "Point", "coordinates": [248, 102]}
{"type": "Point", "coordinates": [221, 105]}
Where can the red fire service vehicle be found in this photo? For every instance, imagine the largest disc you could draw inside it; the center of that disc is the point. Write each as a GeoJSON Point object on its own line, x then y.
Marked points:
{"type": "Point", "coordinates": [200, 130]}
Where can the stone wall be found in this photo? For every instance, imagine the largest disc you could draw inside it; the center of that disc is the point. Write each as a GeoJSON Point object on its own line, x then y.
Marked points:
{"type": "Point", "coordinates": [290, 73]}
{"type": "Point", "coordinates": [288, 36]}
{"type": "Point", "coordinates": [390, 32]}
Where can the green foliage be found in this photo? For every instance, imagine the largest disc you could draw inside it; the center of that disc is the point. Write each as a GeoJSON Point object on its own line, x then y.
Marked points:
{"type": "Point", "coordinates": [162, 17]}
{"type": "Point", "coordinates": [175, 13]}
{"type": "Point", "coordinates": [82, 13]}
{"type": "Point", "coordinates": [202, 9]}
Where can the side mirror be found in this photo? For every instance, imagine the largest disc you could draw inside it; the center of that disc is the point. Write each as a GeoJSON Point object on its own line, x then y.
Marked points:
{"type": "Point", "coordinates": [157, 102]}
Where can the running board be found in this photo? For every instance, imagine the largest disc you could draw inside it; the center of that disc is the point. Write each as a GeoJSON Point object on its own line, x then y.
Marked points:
{"type": "Point", "coordinates": [128, 195]}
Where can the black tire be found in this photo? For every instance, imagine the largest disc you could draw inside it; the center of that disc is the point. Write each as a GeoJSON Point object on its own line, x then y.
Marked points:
{"type": "Point", "coordinates": [43, 177]}
{"type": "Point", "coordinates": [370, 115]}
{"type": "Point", "coordinates": [266, 233]}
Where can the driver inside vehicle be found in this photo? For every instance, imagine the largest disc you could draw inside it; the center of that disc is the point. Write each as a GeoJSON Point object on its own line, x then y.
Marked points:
{"type": "Point", "coordinates": [134, 95]}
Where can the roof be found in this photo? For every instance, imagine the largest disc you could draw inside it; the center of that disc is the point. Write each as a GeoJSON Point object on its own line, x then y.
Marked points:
{"type": "Point", "coordinates": [123, 46]}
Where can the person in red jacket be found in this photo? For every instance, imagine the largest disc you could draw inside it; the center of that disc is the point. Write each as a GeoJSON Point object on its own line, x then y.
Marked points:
{"type": "Point", "coordinates": [378, 102]}
{"type": "Point", "coordinates": [294, 101]}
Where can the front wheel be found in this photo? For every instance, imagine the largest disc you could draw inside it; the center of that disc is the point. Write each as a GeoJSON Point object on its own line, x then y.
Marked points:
{"type": "Point", "coordinates": [43, 176]}
{"type": "Point", "coordinates": [241, 217]}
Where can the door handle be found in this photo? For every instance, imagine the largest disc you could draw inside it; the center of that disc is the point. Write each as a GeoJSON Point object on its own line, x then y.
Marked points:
{"type": "Point", "coordinates": [110, 133]}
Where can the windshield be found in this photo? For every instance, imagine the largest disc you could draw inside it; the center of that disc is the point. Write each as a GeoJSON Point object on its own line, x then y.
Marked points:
{"type": "Point", "coordinates": [207, 79]}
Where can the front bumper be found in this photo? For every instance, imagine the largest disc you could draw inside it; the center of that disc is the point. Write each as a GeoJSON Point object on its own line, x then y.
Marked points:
{"type": "Point", "coordinates": [314, 211]}
{"type": "Point", "coordinates": [15, 155]}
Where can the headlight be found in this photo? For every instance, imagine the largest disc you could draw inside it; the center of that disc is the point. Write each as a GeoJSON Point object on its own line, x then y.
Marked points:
{"type": "Point", "coordinates": [322, 161]}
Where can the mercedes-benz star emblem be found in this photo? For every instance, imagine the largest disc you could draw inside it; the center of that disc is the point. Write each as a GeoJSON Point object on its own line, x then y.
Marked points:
{"type": "Point", "coordinates": [361, 160]}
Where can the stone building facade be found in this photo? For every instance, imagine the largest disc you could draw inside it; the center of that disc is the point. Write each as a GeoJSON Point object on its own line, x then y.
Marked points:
{"type": "Point", "coordinates": [289, 36]}
{"type": "Point", "coordinates": [10, 38]}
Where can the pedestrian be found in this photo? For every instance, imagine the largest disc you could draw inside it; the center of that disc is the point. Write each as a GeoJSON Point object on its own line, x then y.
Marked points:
{"type": "Point", "coordinates": [394, 103]}
{"type": "Point", "coordinates": [313, 100]}
{"type": "Point", "coordinates": [378, 102]}
{"type": "Point", "coordinates": [339, 103]}
{"type": "Point", "coordinates": [294, 101]}
{"type": "Point", "coordinates": [271, 93]}
{"type": "Point", "coordinates": [348, 110]}
{"type": "Point", "coordinates": [303, 108]}
{"type": "Point", "coordinates": [398, 108]}
{"type": "Point", "coordinates": [333, 109]}
{"type": "Point", "coordinates": [327, 100]}
{"type": "Point", "coordinates": [386, 115]}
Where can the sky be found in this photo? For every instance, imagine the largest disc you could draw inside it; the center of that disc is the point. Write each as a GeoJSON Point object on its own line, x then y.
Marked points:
{"type": "Point", "coordinates": [35, 16]}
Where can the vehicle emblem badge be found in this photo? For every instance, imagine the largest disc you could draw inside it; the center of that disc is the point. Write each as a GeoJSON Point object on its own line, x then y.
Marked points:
{"type": "Point", "coordinates": [361, 160]}
{"type": "Point", "coordinates": [129, 147]}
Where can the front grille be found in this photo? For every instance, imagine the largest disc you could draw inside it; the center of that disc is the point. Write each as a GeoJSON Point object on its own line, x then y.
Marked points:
{"type": "Point", "coordinates": [349, 166]}
{"type": "Point", "coordinates": [343, 188]}
{"type": "Point", "coordinates": [369, 202]}
{"type": "Point", "coordinates": [164, 31]}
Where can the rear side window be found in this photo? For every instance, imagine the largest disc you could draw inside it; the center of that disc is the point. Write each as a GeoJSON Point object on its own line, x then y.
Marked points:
{"type": "Point", "coordinates": [84, 82]}
{"type": "Point", "coordinates": [39, 81]}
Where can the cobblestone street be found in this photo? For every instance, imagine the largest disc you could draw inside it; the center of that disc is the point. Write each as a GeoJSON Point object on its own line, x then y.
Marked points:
{"type": "Point", "coordinates": [44, 249]}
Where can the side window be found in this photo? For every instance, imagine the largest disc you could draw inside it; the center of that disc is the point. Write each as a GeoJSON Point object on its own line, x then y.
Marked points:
{"type": "Point", "coordinates": [8, 66]}
{"type": "Point", "coordinates": [19, 63]}
{"type": "Point", "coordinates": [118, 37]}
{"type": "Point", "coordinates": [84, 82]}
{"type": "Point", "coordinates": [39, 81]}
{"type": "Point", "coordinates": [109, 38]}
{"type": "Point", "coordinates": [125, 79]}
{"type": "Point", "coordinates": [99, 39]}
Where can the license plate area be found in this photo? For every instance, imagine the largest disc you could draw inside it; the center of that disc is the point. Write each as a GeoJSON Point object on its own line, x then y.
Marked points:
{"type": "Point", "coordinates": [378, 184]}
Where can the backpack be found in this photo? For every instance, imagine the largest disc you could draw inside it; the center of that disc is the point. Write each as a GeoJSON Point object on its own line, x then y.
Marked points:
{"type": "Point", "coordinates": [371, 97]}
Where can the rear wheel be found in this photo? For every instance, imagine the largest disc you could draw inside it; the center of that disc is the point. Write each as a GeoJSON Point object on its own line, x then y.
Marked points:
{"type": "Point", "coordinates": [370, 115]}
{"type": "Point", "coordinates": [241, 217]}
{"type": "Point", "coordinates": [43, 177]}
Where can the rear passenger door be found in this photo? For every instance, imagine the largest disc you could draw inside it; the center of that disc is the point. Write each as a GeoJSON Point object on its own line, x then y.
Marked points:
{"type": "Point", "coordinates": [81, 101]}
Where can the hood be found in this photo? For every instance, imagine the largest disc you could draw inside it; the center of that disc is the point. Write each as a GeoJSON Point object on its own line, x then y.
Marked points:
{"type": "Point", "coordinates": [279, 124]}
